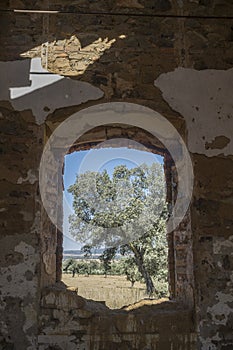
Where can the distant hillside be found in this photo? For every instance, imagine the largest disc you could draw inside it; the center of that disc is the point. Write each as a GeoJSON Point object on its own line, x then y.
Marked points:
{"type": "Point", "coordinates": [72, 249]}
{"type": "Point", "coordinates": [78, 254]}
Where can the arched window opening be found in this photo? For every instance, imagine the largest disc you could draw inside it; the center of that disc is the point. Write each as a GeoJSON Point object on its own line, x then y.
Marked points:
{"type": "Point", "coordinates": [179, 241]}
{"type": "Point", "coordinates": [139, 266]}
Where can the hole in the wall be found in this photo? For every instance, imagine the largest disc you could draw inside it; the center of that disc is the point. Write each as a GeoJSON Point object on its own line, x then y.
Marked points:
{"type": "Point", "coordinates": [88, 274]}
{"type": "Point", "coordinates": [179, 240]}
{"type": "Point", "coordinates": [114, 270]}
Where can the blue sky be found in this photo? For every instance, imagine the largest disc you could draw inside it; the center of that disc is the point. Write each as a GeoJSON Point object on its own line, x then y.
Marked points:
{"type": "Point", "coordinates": [97, 160]}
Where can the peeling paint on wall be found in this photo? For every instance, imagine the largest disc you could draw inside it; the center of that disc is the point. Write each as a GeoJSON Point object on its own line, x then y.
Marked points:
{"type": "Point", "coordinates": [15, 285]}
{"type": "Point", "coordinates": [204, 99]}
{"type": "Point", "coordinates": [19, 287]}
{"type": "Point", "coordinates": [123, 69]}
{"type": "Point", "coordinates": [31, 178]}
{"type": "Point", "coordinates": [42, 92]}
{"type": "Point", "coordinates": [220, 311]}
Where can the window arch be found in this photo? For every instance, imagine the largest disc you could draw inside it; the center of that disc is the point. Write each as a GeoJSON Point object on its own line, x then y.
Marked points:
{"type": "Point", "coordinates": [179, 240]}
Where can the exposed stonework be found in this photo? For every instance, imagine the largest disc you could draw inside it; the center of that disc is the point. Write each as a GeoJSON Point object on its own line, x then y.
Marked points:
{"type": "Point", "coordinates": [180, 67]}
{"type": "Point", "coordinates": [92, 325]}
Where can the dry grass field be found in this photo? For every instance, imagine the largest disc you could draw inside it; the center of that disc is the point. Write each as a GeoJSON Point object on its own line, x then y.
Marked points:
{"type": "Point", "coordinates": [116, 291]}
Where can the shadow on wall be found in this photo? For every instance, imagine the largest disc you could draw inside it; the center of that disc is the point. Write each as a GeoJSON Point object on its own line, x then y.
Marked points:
{"type": "Point", "coordinates": [113, 53]}
{"type": "Point", "coordinates": [42, 92]}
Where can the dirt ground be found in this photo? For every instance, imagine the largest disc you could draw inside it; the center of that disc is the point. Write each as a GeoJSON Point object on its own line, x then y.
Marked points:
{"type": "Point", "coordinates": [116, 291]}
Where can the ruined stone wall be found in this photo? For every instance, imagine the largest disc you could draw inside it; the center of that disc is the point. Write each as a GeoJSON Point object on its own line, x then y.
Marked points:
{"type": "Point", "coordinates": [174, 57]}
{"type": "Point", "coordinates": [21, 145]}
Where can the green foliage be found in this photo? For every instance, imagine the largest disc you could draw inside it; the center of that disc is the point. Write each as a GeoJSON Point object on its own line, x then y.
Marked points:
{"type": "Point", "coordinates": [129, 208]}
{"type": "Point", "coordinates": [68, 264]}
{"type": "Point", "coordinates": [86, 249]}
{"type": "Point", "coordinates": [83, 267]}
{"type": "Point", "coordinates": [106, 259]}
{"type": "Point", "coordinates": [130, 270]}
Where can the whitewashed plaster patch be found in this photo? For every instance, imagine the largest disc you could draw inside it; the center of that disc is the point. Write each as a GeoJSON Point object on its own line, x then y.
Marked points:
{"type": "Point", "coordinates": [31, 87]}
{"type": "Point", "coordinates": [205, 100]}
{"type": "Point", "coordinates": [19, 285]}
{"type": "Point", "coordinates": [31, 178]}
{"type": "Point", "coordinates": [221, 310]}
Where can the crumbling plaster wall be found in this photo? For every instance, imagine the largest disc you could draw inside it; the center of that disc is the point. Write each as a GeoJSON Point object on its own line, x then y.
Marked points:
{"type": "Point", "coordinates": [180, 67]}
{"type": "Point", "coordinates": [204, 99]}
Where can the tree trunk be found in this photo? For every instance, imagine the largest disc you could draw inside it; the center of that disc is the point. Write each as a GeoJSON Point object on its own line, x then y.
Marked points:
{"type": "Point", "coordinates": [150, 288]}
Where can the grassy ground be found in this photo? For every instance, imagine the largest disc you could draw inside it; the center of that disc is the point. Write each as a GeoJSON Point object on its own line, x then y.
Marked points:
{"type": "Point", "coordinates": [116, 291]}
